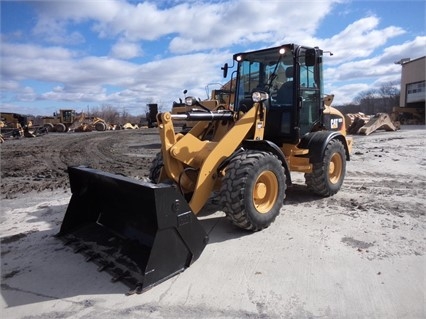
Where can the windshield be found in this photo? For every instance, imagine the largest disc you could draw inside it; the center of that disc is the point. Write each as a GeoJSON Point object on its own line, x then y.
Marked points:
{"type": "Point", "coordinates": [265, 70]}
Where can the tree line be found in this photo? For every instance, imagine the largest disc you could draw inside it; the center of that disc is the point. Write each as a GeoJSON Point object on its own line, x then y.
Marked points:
{"type": "Point", "coordinates": [374, 100]}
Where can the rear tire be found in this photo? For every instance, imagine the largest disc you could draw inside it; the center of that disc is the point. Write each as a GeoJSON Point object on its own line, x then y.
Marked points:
{"type": "Point", "coordinates": [253, 189]}
{"type": "Point", "coordinates": [327, 176]}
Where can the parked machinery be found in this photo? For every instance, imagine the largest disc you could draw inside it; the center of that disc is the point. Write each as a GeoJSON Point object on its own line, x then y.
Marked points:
{"type": "Point", "coordinates": [68, 120]}
{"type": "Point", "coordinates": [59, 122]}
{"type": "Point", "coordinates": [217, 97]}
{"type": "Point", "coordinates": [151, 115]}
{"type": "Point", "coordinates": [359, 123]}
{"type": "Point", "coordinates": [12, 124]}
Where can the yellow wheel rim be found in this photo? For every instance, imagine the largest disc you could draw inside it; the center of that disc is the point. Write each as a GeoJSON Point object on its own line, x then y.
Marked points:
{"type": "Point", "coordinates": [265, 192]}
{"type": "Point", "coordinates": [335, 168]}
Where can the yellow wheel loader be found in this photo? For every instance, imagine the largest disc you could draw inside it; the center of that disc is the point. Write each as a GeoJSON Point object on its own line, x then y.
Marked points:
{"type": "Point", "coordinates": [276, 122]}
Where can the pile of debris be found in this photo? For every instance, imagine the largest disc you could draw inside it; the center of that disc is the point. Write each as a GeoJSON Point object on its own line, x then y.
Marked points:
{"type": "Point", "coordinates": [359, 123]}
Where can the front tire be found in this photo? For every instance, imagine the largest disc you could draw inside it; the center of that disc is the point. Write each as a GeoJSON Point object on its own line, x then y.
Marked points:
{"type": "Point", "coordinates": [155, 169]}
{"type": "Point", "coordinates": [253, 189]}
{"type": "Point", "coordinates": [49, 127]}
{"type": "Point", "coordinates": [327, 176]}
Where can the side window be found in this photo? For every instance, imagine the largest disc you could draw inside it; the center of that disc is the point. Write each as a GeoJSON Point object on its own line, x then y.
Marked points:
{"type": "Point", "coordinates": [307, 79]}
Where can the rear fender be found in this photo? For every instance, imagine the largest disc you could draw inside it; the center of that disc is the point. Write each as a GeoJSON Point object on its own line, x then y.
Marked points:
{"type": "Point", "coordinates": [316, 143]}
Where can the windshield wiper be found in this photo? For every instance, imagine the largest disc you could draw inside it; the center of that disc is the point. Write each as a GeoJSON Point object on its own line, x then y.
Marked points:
{"type": "Point", "coordinates": [273, 75]}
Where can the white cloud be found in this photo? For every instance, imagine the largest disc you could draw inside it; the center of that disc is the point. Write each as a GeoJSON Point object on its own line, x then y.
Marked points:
{"type": "Point", "coordinates": [126, 50]}
{"type": "Point", "coordinates": [27, 94]}
{"type": "Point", "coordinates": [82, 79]}
{"type": "Point", "coordinates": [372, 72]}
{"type": "Point", "coordinates": [30, 51]}
{"type": "Point", "coordinates": [359, 40]}
{"type": "Point", "coordinates": [360, 63]}
{"type": "Point", "coordinates": [9, 85]}
{"type": "Point", "coordinates": [246, 22]}
{"type": "Point", "coordinates": [75, 93]}
{"type": "Point", "coordinates": [194, 26]}
{"type": "Point", "coordinates": [344, 94]}
{"type": "Point", "coordinates": [415, 48]}
{"type": "Point", "coordinates": [55, 32]}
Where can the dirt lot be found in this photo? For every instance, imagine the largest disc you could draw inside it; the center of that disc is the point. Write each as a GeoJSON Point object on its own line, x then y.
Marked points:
{"type": "Point", "coordinates": [37, 164]}
{"type": "Point", "coordinates": [358, 254]}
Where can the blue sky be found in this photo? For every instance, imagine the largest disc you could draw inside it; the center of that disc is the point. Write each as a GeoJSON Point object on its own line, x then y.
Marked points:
{"type": "Point", "coordinates": [88, 53]}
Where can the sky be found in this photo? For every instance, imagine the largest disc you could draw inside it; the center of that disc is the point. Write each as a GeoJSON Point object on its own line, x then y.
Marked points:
{"type": "Point", "coordinates": [85, 54]}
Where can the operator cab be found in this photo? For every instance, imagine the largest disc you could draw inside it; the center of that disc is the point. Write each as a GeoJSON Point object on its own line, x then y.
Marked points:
{"type": "Point", "coordinates": [292, 76]}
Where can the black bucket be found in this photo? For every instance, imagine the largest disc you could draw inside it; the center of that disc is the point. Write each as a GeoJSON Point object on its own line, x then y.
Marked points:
{"type": "Point", "coordinates": [141, 233]}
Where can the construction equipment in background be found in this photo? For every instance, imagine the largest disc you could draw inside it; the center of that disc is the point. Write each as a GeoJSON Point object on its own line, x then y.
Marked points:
{"type": "Point", "coordinates": [222, 97]}
{"type": "Point", "coordinates": [354, 121]}
{"type": "Point", "coordinates": [17, 125]}
{"type": "Point", "coordinates": [151, 115]}
{"type": "Point", "coordinates": [30, 130]}
{"type": "Point", "coordinates": [68, 120]}
{"type": "Point", "coordinates": [130, 126]}
{"type": "Point", "coordinates": [59, 122]}
{"type": "Point", "coordinates": [242, 152]}
{"type": "Point", "coordinates": [180, 108]}
{"type": "Point", "coordinates": [14, 125]}
{"type": "Point", "coordinates": [99, 124]}
{"type": "Point", "coordinates": [380, 121]}
{"type": "Point", "coordinates": [359, 123]}
{"type": "Point", "coordinates": [81, 124]}
{"type": "Point", "coordinates": [408, 115]}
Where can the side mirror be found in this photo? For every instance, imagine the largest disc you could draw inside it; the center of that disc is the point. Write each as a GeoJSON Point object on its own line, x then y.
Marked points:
{"type": "Point", "coordinates": [310, 57]}
{"type": "Point", "coordinates": [225, 70]}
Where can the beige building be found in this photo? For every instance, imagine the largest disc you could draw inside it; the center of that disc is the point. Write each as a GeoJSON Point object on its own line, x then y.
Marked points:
{"type": "Point", "coordinates": [413, 89]}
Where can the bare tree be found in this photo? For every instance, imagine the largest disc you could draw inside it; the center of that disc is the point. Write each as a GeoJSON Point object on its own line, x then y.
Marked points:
{"type": "Point", "coordinates": [389, 94]}
{"type": "Point", "coordinates": [372, 101]}
{"type": "Point", "coordinates": [367, 100]}
{"type": "Point", "coordinates": [106, 112]}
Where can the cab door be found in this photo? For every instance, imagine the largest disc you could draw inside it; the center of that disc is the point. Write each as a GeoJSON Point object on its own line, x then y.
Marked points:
{"type": "Point", "coordinates": [309, 87]}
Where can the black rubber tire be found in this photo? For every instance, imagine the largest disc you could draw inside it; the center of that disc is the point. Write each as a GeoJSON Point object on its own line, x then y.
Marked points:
{"type": "Point", "coordinates": [155, 169]}
{"type": "Point", "coordinates": [244, 204]}
{"type": "Point", "coordinates": [61, 128]}
{"type": "Point", "coordinates": [49, 127]}
{"type": "Point", "coordinates": [327, 176]}
{"type": "Point", "coordinates": [100, 126]}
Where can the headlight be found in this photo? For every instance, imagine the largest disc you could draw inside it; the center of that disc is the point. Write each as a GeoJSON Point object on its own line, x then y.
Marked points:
{"type": "Point", "coordinates": [259, 96]}
{"type": "Point", "coordinates": [189, 101]}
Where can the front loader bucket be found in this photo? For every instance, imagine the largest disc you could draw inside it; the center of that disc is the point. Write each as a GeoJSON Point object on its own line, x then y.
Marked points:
{"type": "Point", "coordinates": [141, 233]}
